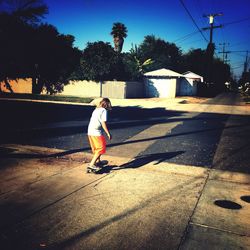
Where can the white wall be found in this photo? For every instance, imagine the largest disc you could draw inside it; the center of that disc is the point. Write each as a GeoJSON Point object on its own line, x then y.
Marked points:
{"type": "Point", "coordinates": [161, 87]}
{"type": "Point", "coordinates": [110, 89]}
{"type": "Point", "coordinates": [114, 89]}
{"type": "Point", "coordinates": [82, 88]}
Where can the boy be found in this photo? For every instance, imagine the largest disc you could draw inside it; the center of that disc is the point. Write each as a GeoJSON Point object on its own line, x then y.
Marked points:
{"type": "Point", "coordinates": [97, 127]}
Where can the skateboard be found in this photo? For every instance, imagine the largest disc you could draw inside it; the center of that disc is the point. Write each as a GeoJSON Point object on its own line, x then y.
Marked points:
{"type": "Point", "coordinates": [98, 167]}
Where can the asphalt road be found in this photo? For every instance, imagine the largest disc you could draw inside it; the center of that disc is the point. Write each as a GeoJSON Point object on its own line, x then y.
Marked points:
{"type": "Point", "coordinates": [186, 138]}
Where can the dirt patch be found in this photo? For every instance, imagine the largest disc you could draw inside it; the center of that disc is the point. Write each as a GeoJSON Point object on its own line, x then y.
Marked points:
{"type": "Point", "coordinates": [189, 99]}
{"type": "Point", "coordinates": [178, 99]}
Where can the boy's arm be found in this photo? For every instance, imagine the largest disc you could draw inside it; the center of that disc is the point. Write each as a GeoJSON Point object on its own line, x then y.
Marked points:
{"type": "Point", "coordinates": [104, 125]}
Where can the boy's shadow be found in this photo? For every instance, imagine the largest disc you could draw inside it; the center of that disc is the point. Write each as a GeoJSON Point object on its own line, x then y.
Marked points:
{"type": "Point", "coordinates": [140, 161]}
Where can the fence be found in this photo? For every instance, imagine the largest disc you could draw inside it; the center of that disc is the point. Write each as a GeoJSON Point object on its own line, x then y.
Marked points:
{"type": "Point", "coordinates": [110, 89]}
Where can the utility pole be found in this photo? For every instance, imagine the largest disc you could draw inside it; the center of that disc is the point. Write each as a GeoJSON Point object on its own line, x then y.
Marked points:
{"type": "Point", "coordinates": [224, 52]}
{"type": "Point", "coordinates": [212, 27]}
{"type": "Point", "coordinates": [210, 46]}
{"type": "Point", "coordinates": [246, 63]}
{"type": "Point", "coordinates": [238, 51]}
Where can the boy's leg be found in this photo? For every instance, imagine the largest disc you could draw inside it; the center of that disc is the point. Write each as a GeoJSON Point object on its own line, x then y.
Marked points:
{"type": "Point", "coordinates": [98, 146]}
{"type": "Point", "coordinates": [98, 160]}
{"type": "Point", "coordinates": [96, 156]}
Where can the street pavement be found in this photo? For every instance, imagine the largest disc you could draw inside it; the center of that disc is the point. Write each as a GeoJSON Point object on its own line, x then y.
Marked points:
{"type": "Point", "coordinates": [48, 201]}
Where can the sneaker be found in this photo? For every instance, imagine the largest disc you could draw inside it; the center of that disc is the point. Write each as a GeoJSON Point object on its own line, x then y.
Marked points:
{"type": "Point", "coordinates": [101, 163]}
{"type": "Point", "coordinates": [93, 167]}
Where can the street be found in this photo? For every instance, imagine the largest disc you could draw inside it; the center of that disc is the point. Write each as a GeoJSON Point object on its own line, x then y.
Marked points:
{"type": "Point", "coordinates": [176, 179]}
{"type": "Point", "coordinates": [187, 138]}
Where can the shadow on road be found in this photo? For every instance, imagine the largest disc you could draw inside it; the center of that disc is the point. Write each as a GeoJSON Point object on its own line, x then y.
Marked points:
{"type": "Point", "coordinates": [141, 160]}
{"type": "Point", "coordinates": [25, 122]}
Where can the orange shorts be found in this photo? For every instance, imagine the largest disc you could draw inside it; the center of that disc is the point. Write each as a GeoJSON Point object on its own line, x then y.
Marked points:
{"type": "Point", "coordinates": [97, 144]}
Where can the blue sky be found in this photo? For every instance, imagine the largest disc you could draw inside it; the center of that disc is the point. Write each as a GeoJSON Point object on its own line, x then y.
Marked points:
{"type": "Point", "coordinates": [92, 20]}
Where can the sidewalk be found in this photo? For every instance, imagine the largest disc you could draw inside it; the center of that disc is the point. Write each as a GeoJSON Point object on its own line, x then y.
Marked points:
{"type": "Point", "coordinates": [48, 201]}
{"type": "Point", "coordinates": [187, 104]}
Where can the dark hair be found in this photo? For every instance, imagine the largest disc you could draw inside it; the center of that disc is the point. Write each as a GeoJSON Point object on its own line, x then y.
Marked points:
{"type": "Point", "coordinates": [105, 103]}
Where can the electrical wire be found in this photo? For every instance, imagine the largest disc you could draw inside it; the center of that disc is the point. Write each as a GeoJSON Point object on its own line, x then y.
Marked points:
{"type": "Point", "coordinates": [237, 67]}
{"type": "Point", "coordinates": [191, 42]}
{"type": "Point", "coordinates": [239, 21]}
{"type": "Point", "coordinates": [184, 6]}
{"type": "Point", "coordinates": [186, 36]}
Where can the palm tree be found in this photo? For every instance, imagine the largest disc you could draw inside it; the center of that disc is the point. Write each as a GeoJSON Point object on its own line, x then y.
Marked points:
{"type": "Point", "coordinates": [119, 32]}
{"type": "Point", "coordinates": [29, 11]}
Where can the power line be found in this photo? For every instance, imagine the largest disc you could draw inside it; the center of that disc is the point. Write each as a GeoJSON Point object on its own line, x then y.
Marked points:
{"type": "Point", "coordinates": [237, 67]}
{"type": "Point", "coordinates": [239, 21]}
{"type": "Point", "coordinates": [193, 33]}
{"type": "Point", "coordinates": [193, 20]}
{"type": "Point", "coordinates": [186, 36]}
{"type": "Point", "coordinates": [238, 54]}
{"type": "Point", "coordinates": [199, 10]}
{"type": "Point", "coordinates": [238, 63]}
{"type": "Point", "coordinates": [190, 42]}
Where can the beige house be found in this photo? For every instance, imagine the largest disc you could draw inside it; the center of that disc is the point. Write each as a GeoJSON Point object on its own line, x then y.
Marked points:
{"type": "Point", "coordinates": [164, 83]}
{"type": "Point", "coordinates": [188, 85]}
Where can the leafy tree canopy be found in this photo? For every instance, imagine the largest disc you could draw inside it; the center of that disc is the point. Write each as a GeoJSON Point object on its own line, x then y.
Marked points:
{"type": "Point", "coordinates": [100, 62]}
{"type": "Point", "coordinates": [195, 61]}
{"type": "Point", "coordinates": [53, 56]}
{"type": "Point", "coordinates": [164, 54]}
{"type": "Point", "coordinates": [31, 49]}
{"type": "Point", "coordinates": [29, 11]}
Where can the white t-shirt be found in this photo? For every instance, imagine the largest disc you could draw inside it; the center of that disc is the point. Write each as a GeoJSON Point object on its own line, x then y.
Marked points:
{"type": "Point", "coordinates": [98, 116]}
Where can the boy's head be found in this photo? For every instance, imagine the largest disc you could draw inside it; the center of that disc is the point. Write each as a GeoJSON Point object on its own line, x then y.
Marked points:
{"type": "Point", "coordinates": [105, 103]}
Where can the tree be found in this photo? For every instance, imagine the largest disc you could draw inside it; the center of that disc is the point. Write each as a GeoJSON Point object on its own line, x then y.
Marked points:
{"type": "Point", "coordinates": [97, 61]}
{"type": "Point", "coordinates": [245, 77]}
{"type": "Point", "coordinates": [119, 32]}
{"type": "Point", "coordinates": [220, 74]}
{"type": "Point", "coordinates": [195, 60]}
{"type": "Point", "coordinates": [134, 64]}
{"type": "Point", "coordinates": [28, 11]}
{"type": "Point", "coordinates": [52, 59]}
{"type": "Point", "coordinates": [13, 61]}
{"type": "Point", "coordinates": [164, 54]}
{"type": "Point", "coordinates": [17, 19]}
{"type": "Point", "coordinates": [40, 53]}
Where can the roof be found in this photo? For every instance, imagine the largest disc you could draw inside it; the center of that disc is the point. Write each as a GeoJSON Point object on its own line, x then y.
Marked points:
{"type": "Point", "coordinates": [191, 74]}
{"type": "Point", "coordinates": [163, 72]}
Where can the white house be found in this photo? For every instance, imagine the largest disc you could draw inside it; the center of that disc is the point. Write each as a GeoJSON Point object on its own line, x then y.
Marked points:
{"type": "Point", "coordinates": [162, 83]}
{"type": "Point", "coordinates": [188, 84]}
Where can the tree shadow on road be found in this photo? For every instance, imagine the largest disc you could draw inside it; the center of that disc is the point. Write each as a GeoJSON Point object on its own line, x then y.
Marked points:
{"type": "Point", "coordinates": [8, 152]}
{"type": "Point", "coordinates": [141, 161]}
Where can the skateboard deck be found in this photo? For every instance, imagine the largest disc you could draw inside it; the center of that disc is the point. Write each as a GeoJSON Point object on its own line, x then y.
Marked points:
{"type": "Point", "coordinates": [100, 167]}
